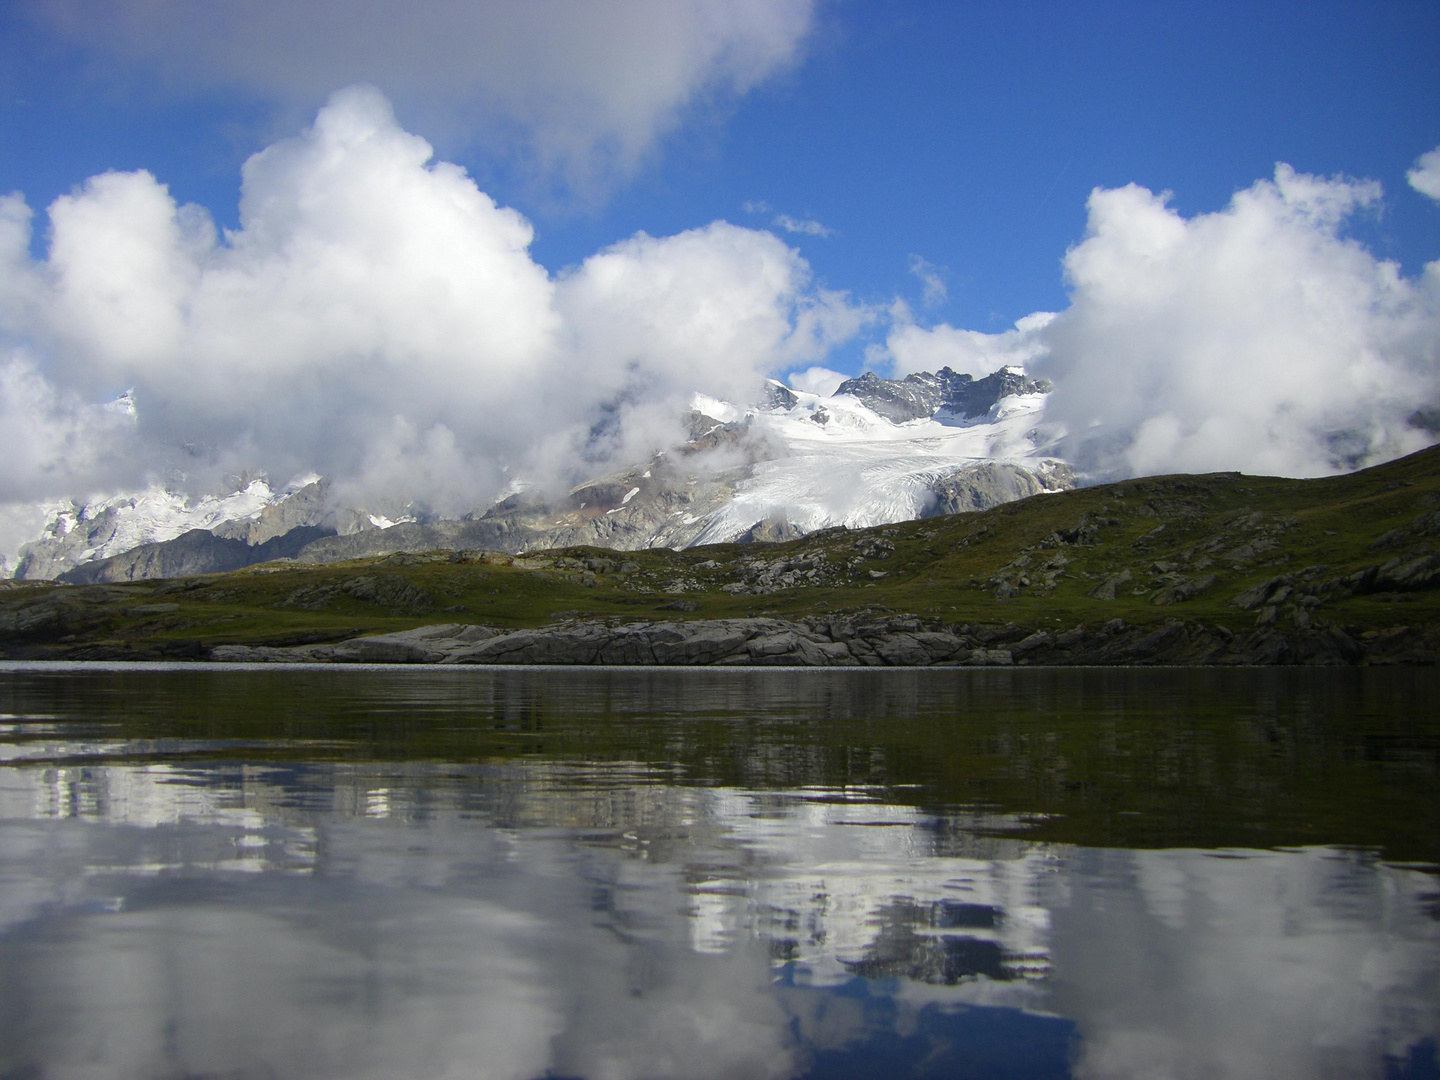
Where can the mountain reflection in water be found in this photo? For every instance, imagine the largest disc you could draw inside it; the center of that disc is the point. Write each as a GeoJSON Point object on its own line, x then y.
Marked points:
{"type": "Point", "coordinates": [381, 873]}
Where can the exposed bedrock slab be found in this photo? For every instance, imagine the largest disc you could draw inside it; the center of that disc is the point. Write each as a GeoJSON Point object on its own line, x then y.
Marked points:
{"type": "Point", "coordinates": [897, 641]}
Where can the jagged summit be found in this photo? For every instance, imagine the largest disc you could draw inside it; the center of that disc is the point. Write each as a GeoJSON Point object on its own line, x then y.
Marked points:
{"type": "Point", "coordinates": [779, 396]}
{"type": "Point", "coordinates": [923, 394]}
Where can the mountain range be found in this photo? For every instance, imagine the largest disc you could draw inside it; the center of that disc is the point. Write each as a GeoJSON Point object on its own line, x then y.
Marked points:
{"type": "Point", "coordinates": [875, 451]}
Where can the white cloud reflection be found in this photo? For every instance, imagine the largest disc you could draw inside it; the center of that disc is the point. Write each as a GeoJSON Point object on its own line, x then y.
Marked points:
{"type": "Point", "coordinates": [531, 923]}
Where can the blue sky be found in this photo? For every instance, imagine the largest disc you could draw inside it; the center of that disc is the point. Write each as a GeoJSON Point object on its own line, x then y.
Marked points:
{"type": "Point", "coordinates": [966, 134]}
{"type": "Point", "coordinates": [903, 182]}
{"type": "Point", "coordinates": [970, 135]}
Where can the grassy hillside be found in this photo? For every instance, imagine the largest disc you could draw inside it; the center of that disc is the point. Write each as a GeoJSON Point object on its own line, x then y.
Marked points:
{"type": "Point", "coordinates": [1360, 551]}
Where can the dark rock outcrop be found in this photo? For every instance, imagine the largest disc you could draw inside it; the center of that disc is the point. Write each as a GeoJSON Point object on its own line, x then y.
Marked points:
{"type": "Point", "coordinates": [855, 641]}
{"type": "Point", "coordinates": [778, 396]}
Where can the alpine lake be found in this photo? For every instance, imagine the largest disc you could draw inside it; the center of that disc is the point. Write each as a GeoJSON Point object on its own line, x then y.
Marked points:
{"type": "Point", "coordinates": [226, 871]}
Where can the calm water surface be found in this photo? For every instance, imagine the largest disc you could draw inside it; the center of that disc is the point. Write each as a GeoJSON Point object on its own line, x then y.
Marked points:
{"type": "Point", "coordinates": [528, 874]}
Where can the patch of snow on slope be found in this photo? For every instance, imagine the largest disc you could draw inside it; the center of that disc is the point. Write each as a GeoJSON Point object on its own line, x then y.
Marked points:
{"type": "Point", "coordinates": [380, 521]}
{"type": "Point", "coordinates": [150, 516]}
{"type": "Point", "coordinates": [845, 465]}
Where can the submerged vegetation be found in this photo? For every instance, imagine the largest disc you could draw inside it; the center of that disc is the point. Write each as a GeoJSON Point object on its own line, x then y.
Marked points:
{"type": "Point", "coordinates": [1355, 557]}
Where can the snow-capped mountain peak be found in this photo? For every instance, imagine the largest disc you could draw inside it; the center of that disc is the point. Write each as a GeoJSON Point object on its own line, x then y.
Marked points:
{"type": "Point", "coordinates": [876, 451]}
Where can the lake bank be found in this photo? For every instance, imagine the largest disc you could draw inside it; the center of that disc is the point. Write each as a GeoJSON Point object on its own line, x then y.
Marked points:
{"type": "Point", "coordinates": [865, 641]}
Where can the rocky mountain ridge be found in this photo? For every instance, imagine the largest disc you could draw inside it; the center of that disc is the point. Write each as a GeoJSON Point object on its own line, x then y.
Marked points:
{"type": "Point", "coordinates": [740, 476]}
{"type": "Point", "coordinates": [924, 394]}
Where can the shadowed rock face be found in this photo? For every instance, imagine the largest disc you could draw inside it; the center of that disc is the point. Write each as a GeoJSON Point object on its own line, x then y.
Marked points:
{"type": "Point", "coordinates": [42, 560]}
{"type": "Point", "coordinates": [924, 394]}
{"type": "Point", "coordinates": [196, 552]}
{"type": "Point", "coordinates": [307, 507]}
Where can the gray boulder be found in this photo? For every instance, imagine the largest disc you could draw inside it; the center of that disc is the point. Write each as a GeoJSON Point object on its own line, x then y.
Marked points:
{"type": "Point", "coordinates": [1106, 590]}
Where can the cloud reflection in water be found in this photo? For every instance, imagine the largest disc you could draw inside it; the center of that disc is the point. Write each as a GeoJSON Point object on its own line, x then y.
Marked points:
{"type": "Point", "coordinates": [528, 920]}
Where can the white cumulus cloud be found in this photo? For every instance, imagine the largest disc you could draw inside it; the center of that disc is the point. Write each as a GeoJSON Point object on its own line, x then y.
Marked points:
{"type": "Point", "coordinates": [377, 317]}
{"type": "Point", "coordinates": [1424, 177]}
{"type": "Point", "coordinates": [52, 441]}
{"type": "Point", "coordinates": [912, 348]}
{"type": "Point", "coordinates": [817, 380]}
{"type": "Point", "coordinates": [1258, 337]}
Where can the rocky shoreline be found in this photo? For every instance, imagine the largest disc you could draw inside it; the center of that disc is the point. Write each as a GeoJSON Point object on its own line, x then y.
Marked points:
{"type": "Point", "coordinates": [888, 641]}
